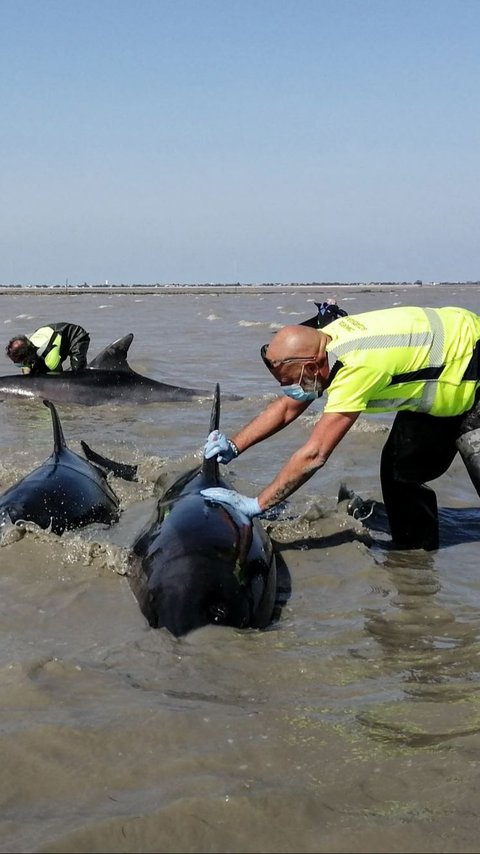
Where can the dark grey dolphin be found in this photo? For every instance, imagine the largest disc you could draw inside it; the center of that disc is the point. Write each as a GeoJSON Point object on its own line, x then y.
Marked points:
{"type": "Point", "coordinates": [200, 562]}
{"type": "Point", "coordinates": [107, 379]}
{"type": "Point", "coordinates": [65, 492]}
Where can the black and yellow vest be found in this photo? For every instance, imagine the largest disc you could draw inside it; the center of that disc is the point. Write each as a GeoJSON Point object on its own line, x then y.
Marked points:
{"type": "Point", "coordinates": [420, 359]}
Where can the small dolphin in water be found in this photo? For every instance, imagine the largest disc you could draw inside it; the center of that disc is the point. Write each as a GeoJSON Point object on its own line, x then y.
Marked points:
{"type": "Point", "coordinates": [65, 492]}
{"type": "Point", "coordinates": [198, 562]}
{"type": "Point", "coordinates": [107, 379]}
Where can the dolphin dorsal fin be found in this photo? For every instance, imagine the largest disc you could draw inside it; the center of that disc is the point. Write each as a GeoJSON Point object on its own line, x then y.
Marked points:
{"type": "Point", "coordinates": [58, 437]}
{"type": "Point", "coordinates": [210, 467]}
{"type": "Point", "coordinates": [114, 357]}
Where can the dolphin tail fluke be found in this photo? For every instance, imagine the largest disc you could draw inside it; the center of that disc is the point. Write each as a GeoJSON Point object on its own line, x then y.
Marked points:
{"type": "Point", "coordinates": [210, 468]}
{"type": "Point", "coordinates": [114, 357]}
{"type": "Point", "coordinates": [123, 470]}
{"type": "Point", "coordinates": [58, 437]}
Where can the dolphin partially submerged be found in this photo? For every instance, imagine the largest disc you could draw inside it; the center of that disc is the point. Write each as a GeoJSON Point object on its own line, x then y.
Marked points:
{"type": "Point", "coordinates": [107, 379]}
{"type": "Point", "coordinates": [65, 492]}
{"type": "Point", "coordinates": [199, 562]}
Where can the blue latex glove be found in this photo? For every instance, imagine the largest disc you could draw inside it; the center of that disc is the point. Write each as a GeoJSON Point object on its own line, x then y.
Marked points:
{"type": "Point", "coordinates": [217, 443]}
{"type": "Point", "coordinates": [249, 506]}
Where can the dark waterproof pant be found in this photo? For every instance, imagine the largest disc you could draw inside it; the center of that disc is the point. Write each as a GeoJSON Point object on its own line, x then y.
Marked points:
{"type": "Point", "coordinates": [419, 448]}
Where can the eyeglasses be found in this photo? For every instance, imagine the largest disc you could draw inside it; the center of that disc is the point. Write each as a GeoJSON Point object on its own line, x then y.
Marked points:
{"type": "Point", "coordinates": [272, 363]}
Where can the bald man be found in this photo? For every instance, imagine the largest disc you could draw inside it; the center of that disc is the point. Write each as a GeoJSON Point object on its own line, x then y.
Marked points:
{"type": "Point", "coordinates": [423, 364]}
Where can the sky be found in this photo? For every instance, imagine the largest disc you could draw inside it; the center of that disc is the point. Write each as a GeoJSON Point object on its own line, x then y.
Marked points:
{"type": "Point", "coordinates": [252, 141]}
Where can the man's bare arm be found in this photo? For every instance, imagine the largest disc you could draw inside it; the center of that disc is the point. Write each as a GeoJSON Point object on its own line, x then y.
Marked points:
{"type": "Point", "coordinates": [275, 417]}
{"type": "Point", "coordinates": [302, 465]}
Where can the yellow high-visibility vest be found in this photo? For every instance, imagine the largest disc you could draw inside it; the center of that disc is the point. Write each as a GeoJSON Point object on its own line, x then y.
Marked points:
{"type": "Point", "coordinates": [421, 359]}
{"type": "Point", "coordinates": [47, 342]}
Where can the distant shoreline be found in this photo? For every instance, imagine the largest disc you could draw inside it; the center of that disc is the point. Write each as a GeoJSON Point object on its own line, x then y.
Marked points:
{"type": "Point", "coordinates": [175, 290]}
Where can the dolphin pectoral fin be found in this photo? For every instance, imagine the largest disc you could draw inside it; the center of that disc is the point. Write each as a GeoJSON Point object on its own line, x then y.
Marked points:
{"type": "Point", "coordinates": [122, 470]}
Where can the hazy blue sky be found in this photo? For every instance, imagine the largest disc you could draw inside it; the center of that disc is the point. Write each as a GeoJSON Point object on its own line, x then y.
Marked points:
{"type": "Point", "coordinates": [239, 140]}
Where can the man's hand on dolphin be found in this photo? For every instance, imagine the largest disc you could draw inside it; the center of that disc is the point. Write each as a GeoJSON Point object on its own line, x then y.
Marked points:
{"type": "Point", "coordinates": [218, 444]}
{"type": "Point", "coordinates": [248, 506]}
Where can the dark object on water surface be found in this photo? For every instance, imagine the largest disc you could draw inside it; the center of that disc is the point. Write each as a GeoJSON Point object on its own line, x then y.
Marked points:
{"type": "Point", "coordinates": [370, 513]}
{"type": "Point", "coordinates": [327, 312]}
{"type": "Point", "coordinates": [122, 470]}
{"type": "Point", "coordinates": [107, 379]}
{"type": "Point", "coordinates": [65, 492]}
{"type": "Point", "coordinates": [199, 562]}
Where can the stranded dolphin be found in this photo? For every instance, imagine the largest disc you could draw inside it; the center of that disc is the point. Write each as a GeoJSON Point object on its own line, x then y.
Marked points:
{"type": "Point", "coordinates": [198, 562]}
{"type": "Point", "coordinates": [107, 379]}
{"type": "Point", "coordinates": [65, 492]}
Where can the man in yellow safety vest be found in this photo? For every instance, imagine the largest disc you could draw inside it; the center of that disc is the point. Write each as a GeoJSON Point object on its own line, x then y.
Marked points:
{"type": "Point", "coordinates": [44, 350]}
{"type": "Point", "coordinates": [422, 363]}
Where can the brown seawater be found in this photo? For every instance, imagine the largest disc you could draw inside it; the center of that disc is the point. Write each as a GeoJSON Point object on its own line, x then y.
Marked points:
{"type": "Point", "coordinates": [352, 725]}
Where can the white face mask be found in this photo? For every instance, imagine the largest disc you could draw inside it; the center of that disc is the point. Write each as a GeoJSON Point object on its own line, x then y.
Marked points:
{"type": "Point", "coordinates": [297, 392]}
